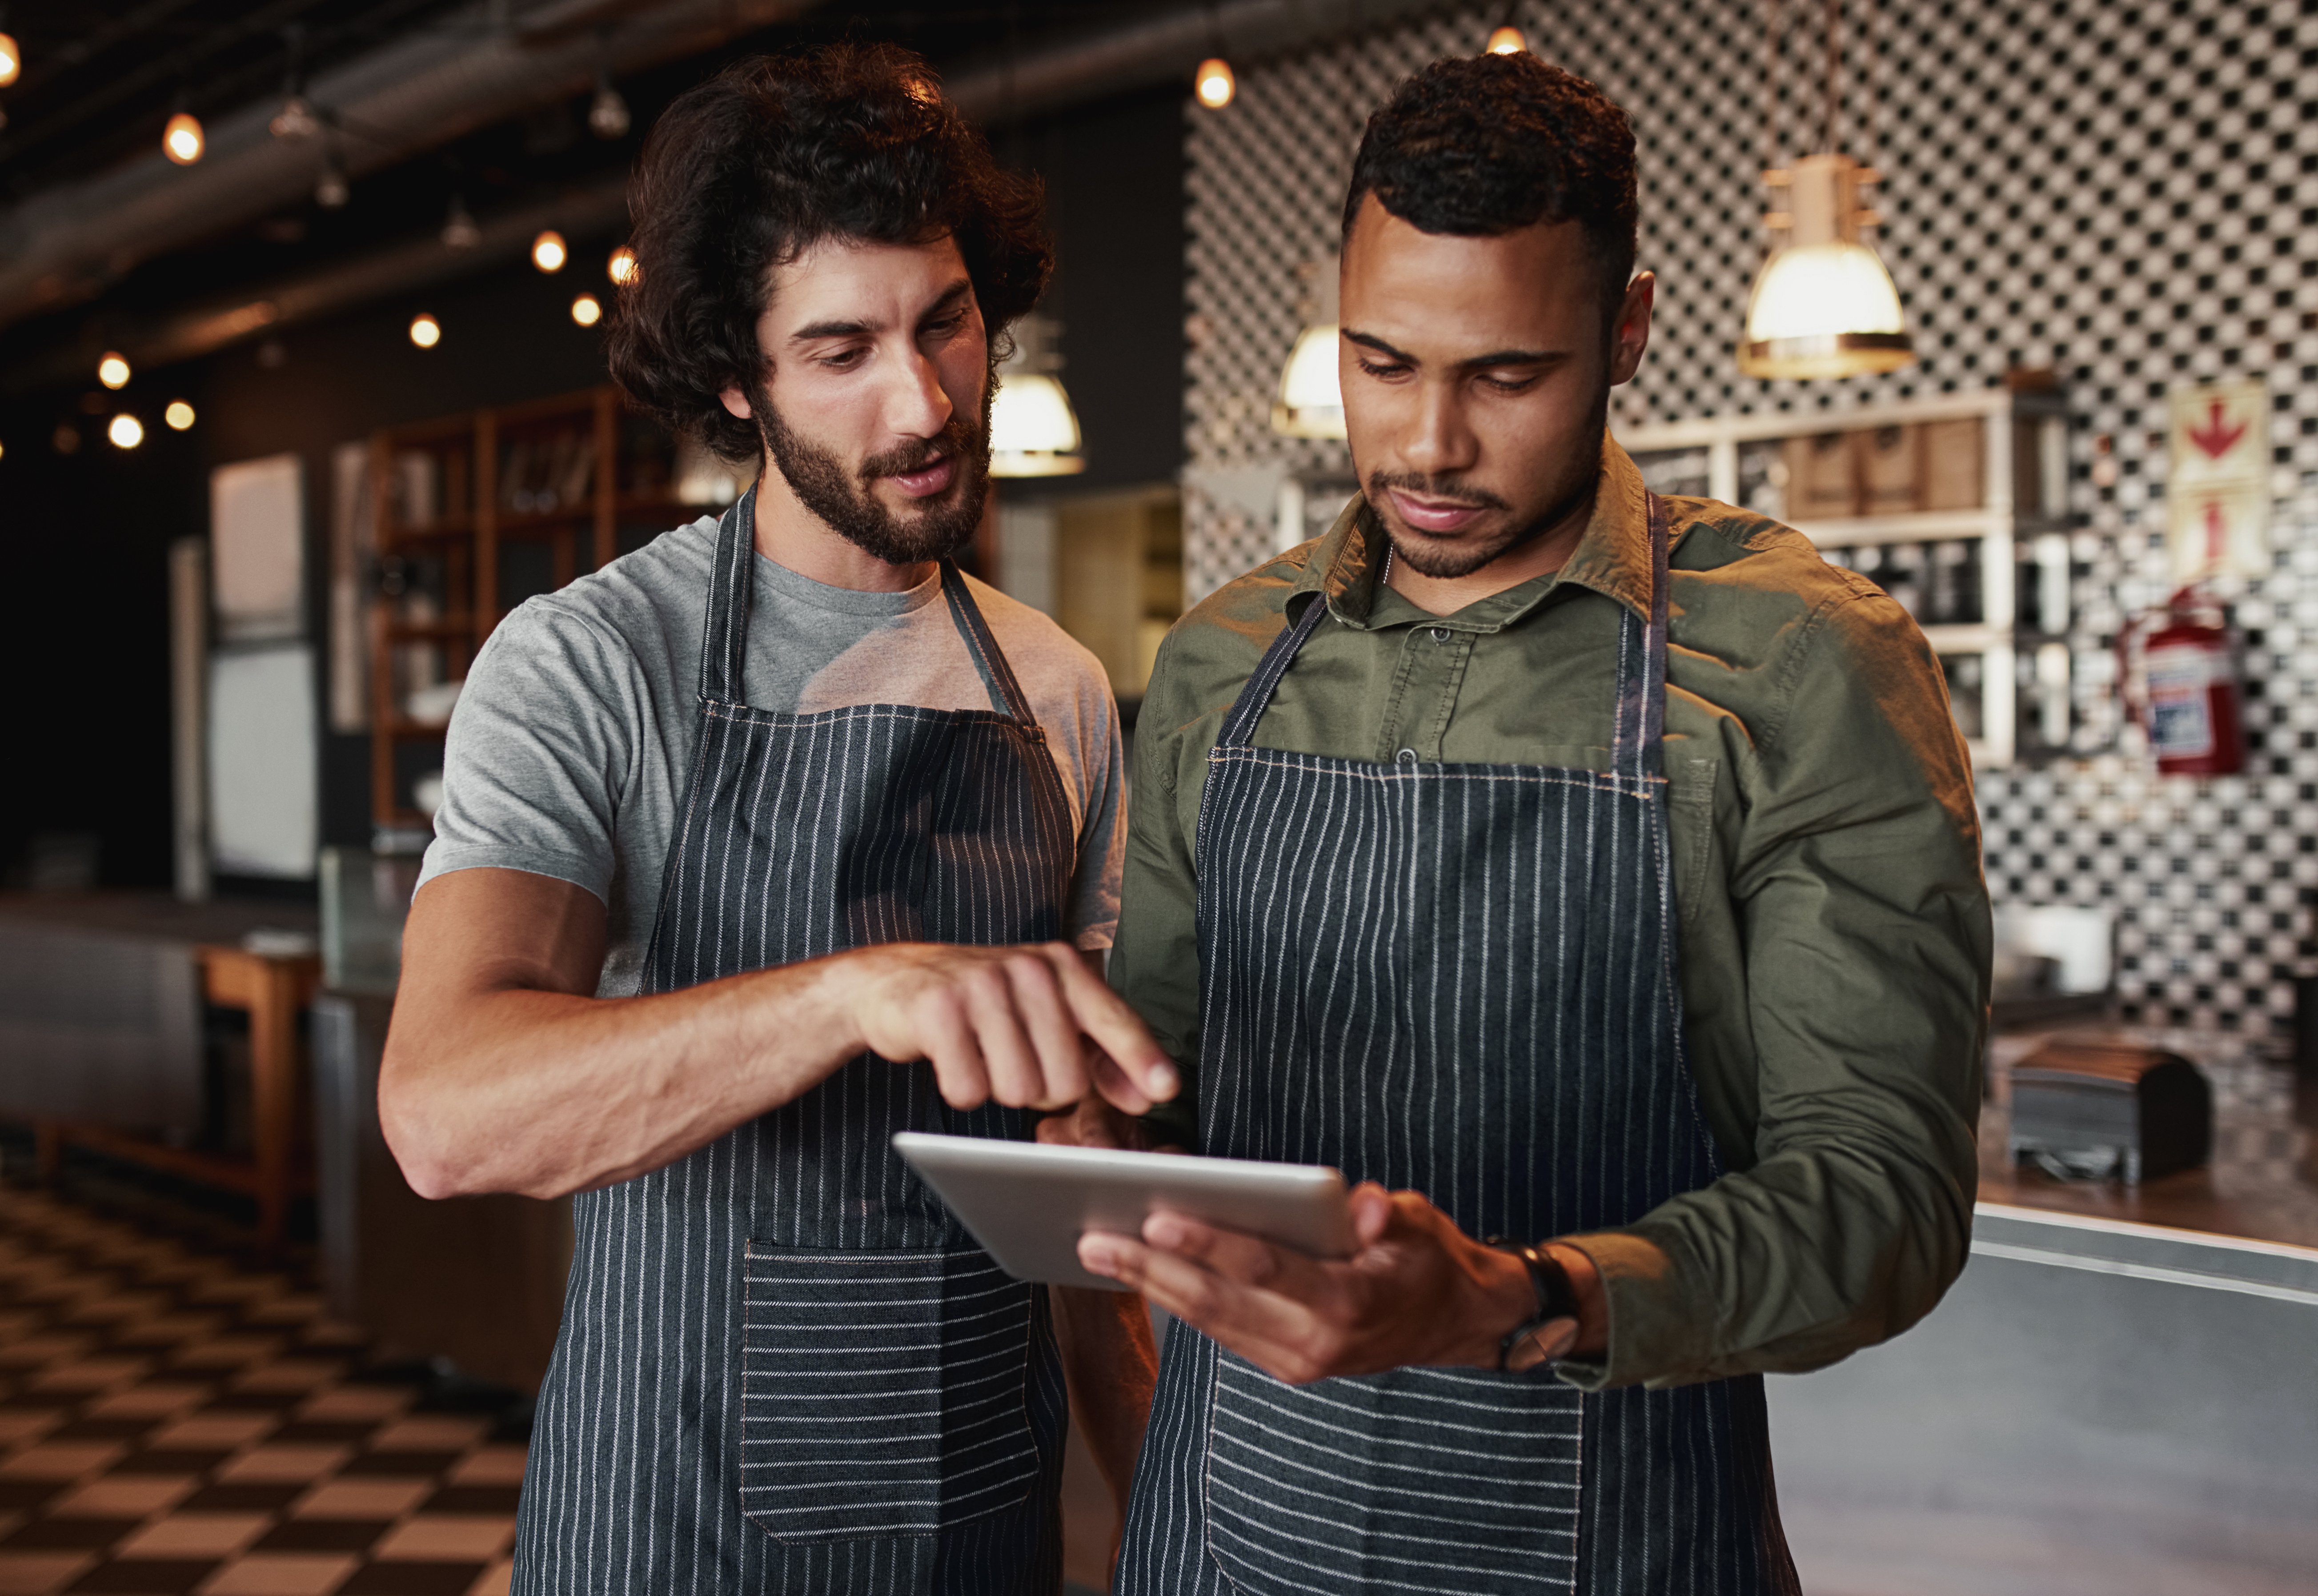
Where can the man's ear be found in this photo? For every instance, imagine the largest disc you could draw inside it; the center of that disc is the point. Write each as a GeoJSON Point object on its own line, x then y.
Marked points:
{"type": "Point", "coordinates": [1630, 334]}
{"type": "Point", "coordinates": [736, 402]}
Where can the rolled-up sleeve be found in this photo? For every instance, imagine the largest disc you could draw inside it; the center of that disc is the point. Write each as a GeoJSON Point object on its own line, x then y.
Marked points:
{"type": "Point", "coordinates": [1856, 880]}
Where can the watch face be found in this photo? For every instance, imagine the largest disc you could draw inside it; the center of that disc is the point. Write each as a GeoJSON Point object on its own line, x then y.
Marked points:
{"type": "Point", "coordinates": [1549, 1341]}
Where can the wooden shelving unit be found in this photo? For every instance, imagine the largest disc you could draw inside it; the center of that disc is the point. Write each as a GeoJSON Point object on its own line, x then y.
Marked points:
{"type": "Point", "coordinates": [1983, 494]}
{"type": "Point", "coordinates": [454, 502]}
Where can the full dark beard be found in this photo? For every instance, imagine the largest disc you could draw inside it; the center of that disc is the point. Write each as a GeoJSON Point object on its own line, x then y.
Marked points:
{"type": "Point", "coordinates": [843, 499]}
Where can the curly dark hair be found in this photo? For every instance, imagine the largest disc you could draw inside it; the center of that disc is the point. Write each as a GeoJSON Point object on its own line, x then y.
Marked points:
{"type": "Point", "coordinates": [777, 154]}
{"type": "Point", "coordinates": [1482, 144]}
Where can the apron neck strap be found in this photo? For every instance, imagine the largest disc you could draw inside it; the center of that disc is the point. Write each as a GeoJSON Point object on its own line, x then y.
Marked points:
{"type": "Point", "coordinates": [1641, 670]}
{"type": "Point", "coordinates": [979, 638]}
{"type": "Point", "coordinates": [731, 586]}
{"type": "Point", "coordinates": [1635, 749]}
{"type": "Point", "coordinates": [1239, 726]}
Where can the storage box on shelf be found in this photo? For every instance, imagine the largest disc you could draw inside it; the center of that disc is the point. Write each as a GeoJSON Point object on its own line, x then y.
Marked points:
{"type": "Point", "coordinates": [474, 514]}
{"type": "Point", "coordinates": [1955, 506]}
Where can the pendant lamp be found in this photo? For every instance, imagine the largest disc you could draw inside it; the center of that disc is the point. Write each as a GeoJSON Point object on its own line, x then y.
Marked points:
{"type": "Point", "coordinates": [1823, 305]}
{"type": "Point", "coordinates": [1033, 430]}
{"type": "Point", "coordinates": [1310, 403]}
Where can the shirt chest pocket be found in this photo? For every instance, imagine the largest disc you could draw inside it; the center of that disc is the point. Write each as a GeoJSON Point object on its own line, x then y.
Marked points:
{"type": "Point", "coordinates": [1691, 799]}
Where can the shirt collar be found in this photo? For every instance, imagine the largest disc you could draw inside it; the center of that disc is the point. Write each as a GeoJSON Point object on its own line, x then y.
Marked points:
{"type": "Point", "coordinates": [1612, 557]}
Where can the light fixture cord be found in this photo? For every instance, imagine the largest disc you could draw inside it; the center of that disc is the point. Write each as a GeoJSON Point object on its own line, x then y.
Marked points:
{"type": "Point", "coordinates": [1833, 72]}
{"type": "Point", "coordinates": [1770, 84]}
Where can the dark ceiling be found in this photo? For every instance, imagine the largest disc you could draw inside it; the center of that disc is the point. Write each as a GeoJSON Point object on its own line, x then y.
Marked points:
{"type": "Point", "coordinates": [101, 77]}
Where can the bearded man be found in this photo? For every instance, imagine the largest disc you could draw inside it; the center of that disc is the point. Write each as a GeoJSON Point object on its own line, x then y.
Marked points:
{"type": "Point", "coordinates": [760, 844]}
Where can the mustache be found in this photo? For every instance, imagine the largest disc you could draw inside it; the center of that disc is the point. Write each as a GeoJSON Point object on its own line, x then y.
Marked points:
{"type": "Point", "coordinates": [956, 441]}
{"type": "Point", "coordinates": [1433, 486]}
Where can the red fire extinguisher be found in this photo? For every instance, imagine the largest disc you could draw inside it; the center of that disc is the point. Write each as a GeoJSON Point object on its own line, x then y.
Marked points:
{"type": "Point", "coordinates": [2190, 704]}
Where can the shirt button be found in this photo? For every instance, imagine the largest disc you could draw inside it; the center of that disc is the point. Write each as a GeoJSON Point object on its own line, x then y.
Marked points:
{"type": "Point", "coordinates": [1441, 634]}
{"type": "Point", "coordinates": [1406, 756]}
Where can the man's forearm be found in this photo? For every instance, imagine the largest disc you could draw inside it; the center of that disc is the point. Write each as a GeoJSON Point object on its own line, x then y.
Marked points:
{"type": "Point", "coordinates": [545, 1093]}
{"type": "Point", "coordinates": [1111, 1363]}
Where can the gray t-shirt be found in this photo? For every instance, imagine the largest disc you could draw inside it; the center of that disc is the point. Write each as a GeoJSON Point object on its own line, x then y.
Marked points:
{"type": "Point", "coordinates": [573, 736]}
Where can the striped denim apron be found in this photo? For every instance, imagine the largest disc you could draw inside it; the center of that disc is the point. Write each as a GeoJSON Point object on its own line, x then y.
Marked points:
{"type": "Point", "coordinates": [1459, 979]}
{"type": "Point", "coordinates": [783, 1367]}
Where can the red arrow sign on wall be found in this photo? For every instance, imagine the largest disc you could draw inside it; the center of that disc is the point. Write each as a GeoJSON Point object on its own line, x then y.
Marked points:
{"type": "Point", "coordinates": [2215, 438]}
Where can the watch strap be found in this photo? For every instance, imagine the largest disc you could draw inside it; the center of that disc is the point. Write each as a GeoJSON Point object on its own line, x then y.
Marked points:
{"type": "Point", "coordinates": [1557, 1299]}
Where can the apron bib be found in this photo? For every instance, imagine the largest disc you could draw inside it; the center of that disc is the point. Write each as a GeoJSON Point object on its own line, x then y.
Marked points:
{"type": "Point", "coordinates": [1483, 1007]}
{"type": "Point", "coordinates": [784, 1367]}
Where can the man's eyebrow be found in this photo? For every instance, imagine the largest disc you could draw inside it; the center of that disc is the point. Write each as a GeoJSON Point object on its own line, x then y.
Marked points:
{"type": "Point", "coordinates": [1495, 358]}
{"type": "Point", "coordinates": [855, 328]}
{"type": "Point", "coordinates": [948, 301]}
{"type": "Point", "coordinates": [1371, 341]}
{"type": "Point", "coordinates": [829, 329]}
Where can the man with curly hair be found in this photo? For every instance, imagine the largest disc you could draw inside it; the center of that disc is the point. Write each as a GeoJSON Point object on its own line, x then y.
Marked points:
{"type": "Point", "coordinates": [1592, 875]}
{"type": "Point", "coordinates": [761, 844]}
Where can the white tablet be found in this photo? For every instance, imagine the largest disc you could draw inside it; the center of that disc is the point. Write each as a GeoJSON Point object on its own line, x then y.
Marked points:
{"type": "Point", "coordinates": [1028, 1205]}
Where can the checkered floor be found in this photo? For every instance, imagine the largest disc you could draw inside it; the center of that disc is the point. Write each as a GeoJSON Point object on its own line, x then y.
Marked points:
{"type": "Point", "coordinates": [172, 1423]}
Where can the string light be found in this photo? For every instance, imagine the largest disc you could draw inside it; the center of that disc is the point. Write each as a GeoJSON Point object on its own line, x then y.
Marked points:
{"type": "Point", "coordinates": [181, 141]}
{"type": "Point", "coordinates": [12, 60]}
{"type": "Point", "coordinates": [1507, 41]}
{"type": "Point", "coordinates": [1214, 84]}
{"type": "Point", "coordinates": [296, 119]}
{"type": "Point", "coordinates": [587, 309]}
{"type": "Point", "coordinates": [179, 415]}
{"type": "Point", "coordinates": [548, 252]}
{"type": "Point", "coordinates": [607, 113]}
{"type": "Point", "coordinates": [459, 228]}
{"type": "Point", "coordinates": [331, 190]}
{"type": "Point", "coordinates": [425, 331]}
{"type": "Point", "coordinates": [622, 267]}
{"type": "Point", "coordinates": [112, 371]}
{"type": "Point", "coordinates": [126, 431]}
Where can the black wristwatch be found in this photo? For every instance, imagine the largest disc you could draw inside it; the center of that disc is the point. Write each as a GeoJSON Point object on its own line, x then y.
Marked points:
{"type": "Point", "coordinates": [1557, 1299]}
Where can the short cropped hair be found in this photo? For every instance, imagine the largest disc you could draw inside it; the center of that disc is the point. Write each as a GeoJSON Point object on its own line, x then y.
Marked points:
{"type": "Point", "coordinates": [1482, 144]}
{"type": "Point", "coordinates": [774, 155]}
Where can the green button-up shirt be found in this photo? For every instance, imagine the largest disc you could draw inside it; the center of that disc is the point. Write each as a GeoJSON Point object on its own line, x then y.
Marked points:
{"type": "Point", "coordinates": [1834, 943]}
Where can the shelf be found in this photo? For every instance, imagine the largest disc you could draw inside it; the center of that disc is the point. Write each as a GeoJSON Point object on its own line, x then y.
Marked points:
{"type": "Point", "coordinates": [512, 524]}
{"type": "Point", "coordinates": [439, 531]}
{"type": "Point", "coordinates": [1916, 527]}
{"type": "Point", "coordinates": [462, 627]}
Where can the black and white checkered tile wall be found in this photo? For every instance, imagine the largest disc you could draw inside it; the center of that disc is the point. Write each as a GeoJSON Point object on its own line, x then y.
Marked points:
{"type": "Point", "coordinates": [2118, 191]}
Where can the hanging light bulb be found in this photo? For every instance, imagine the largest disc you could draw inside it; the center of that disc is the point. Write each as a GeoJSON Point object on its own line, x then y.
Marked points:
{"type": "Point", "coordinates": [181, 141]}
{"type": "Point", "coordinates": [1033, 430]}
{"type": "Point", "coordinates": [179, 415]}
{"type": "Point", "coordinates": [425, 331]}
{"type": "Point", "coordinates": [622, 267]}
{"type": "Point", "coordinates": [607, 113]}
{"type": "Point", "coordinates": [587, 309]}
{"type": "Point", "coordinates": [297, 119]}
{"type": "Point", "coordinates": [112, 371]}
{"type": "Point", "coordinates": [12, 60]}
{"type": "Point", "coordinates": [126, 431]}
{"type": "Point", "coordinates": [1823, 305]}
{"type": "Point", "coordinates": [1507, 41]}
{"type": "Point", "coordinates": [1214, 82]}
{"type": "Point", "coordinates": [1310, 403]}
{"type": "Point", "coordinates": [331, 190]}
{"type": "Point", "coordinates": [548, 252]}
{"type": "Point", "coordinates": [459, 228]}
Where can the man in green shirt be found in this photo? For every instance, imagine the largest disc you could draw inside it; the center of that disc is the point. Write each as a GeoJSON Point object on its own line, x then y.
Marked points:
{"type": "Point", "coordinates": [1594, 876]}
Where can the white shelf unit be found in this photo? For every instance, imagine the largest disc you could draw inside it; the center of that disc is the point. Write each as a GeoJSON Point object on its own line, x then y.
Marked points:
{"type": "Point", "coordinates": [2024, 498]}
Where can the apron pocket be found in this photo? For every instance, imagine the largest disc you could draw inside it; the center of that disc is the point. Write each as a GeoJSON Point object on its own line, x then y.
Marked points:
{"type": "Point", "coordinates": [882, 1393]}
{"type": "Point", "coordinates": [1453, 1480]}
